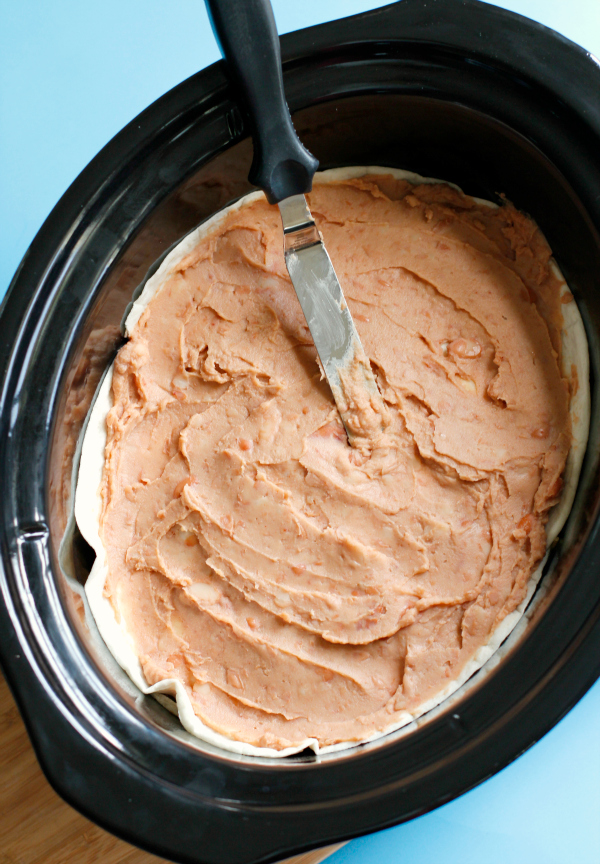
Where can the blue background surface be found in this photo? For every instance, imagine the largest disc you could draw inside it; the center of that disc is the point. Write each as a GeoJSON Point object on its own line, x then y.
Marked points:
{"type": "Point", "coordinates": [72, 74]}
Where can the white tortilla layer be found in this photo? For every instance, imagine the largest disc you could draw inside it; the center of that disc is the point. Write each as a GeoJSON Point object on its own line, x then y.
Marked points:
{"type": "Point", "coordinates": [88, 501]}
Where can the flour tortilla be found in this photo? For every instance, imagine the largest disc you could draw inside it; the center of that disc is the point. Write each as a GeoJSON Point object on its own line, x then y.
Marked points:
{"type": "Point", "coordinates": [88, 501]}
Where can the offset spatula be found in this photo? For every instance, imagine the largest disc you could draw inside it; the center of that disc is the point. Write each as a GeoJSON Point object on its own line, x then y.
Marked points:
{"type": "Point", "coordinates": [284, 170]}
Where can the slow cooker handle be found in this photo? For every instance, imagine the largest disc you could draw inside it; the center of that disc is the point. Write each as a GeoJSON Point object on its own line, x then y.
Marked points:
{"type": "Point", "coordinates": [247, 35]}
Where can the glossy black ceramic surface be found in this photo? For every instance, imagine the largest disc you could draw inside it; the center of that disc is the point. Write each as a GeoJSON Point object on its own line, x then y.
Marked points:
{"type": "Point", "coordinates": [459, 90]}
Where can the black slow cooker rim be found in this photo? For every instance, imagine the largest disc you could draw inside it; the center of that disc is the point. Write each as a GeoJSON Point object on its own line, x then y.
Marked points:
{"type": "Point", "coordinates": [84, 747]}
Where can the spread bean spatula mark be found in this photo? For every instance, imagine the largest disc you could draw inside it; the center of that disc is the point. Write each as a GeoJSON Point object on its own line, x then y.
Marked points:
{"type": "Point", "coordinates": [284, 170]}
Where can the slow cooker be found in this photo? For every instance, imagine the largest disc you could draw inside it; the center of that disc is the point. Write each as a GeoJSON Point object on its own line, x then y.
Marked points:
{"type": "Point", "coordinates": [455, 89]}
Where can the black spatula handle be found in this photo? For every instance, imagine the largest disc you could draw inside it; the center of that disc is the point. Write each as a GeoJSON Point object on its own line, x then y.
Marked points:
{"type": "Point", "coordinates": [247, 35]}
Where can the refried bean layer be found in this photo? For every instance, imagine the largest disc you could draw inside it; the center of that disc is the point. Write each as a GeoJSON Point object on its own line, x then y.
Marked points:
{"type": "Point", "coordinates": [296, 586]}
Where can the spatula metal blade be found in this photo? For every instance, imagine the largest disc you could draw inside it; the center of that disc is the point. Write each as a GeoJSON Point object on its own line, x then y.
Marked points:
{"type": "Point", "coordinates": [332, 328]}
